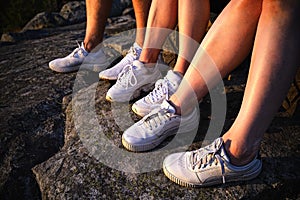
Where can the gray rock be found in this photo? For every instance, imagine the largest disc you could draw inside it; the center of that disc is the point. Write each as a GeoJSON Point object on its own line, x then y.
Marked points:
{"type": "Point", "coordinates": [45, 20]}
{"type": "Point", "coordinates": [121, 42]}
{"type": "Point", "coordinates": [38, 132]}
{"type": "Point", "coordinates": [74, 12]}
{"type": "Point", "coordinates": [119, 6]}
{"type": "Point", "coordinates": [74, 172]}
{"type": "Point", "coordinates": [121, 23]}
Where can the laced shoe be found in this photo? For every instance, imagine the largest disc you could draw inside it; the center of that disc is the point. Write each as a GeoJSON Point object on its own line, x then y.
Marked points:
{"type": "Point", "coordinates": [131, 81]}
{"type": "Point", "coordinates": [112, 73]}
{"type": "Point", "coordinates": [164, 88]}
{"type": "Point", "coordinates": [207, 166]}
{"type": "Point", "coordinates": [155, 127]}
{"type": "Point", "coordinates": [93, 60]}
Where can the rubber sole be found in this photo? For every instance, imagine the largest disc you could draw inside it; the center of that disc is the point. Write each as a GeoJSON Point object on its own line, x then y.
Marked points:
{"type": "Point", "coordinates": [148, 146]}
{"type": "Point", "coordinates": [64, 69]}
{"type": "Point", "coordinates": [216, 182]}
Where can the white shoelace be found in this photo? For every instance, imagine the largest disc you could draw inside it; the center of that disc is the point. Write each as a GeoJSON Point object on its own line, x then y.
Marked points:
{"type": "Point", "coordinates": [131, 55]}
{"type": "Point", "coordinates": [198, 160]}
{"type": "Point", "coordinates": [160, 91]}
{"type": "Point", "coordinates": [157, 119]}
{"type": "Point", "coordinates": [133, 51]}
{"type": "Point", "coordinates": [127, 77]}
{"type": "Point", "coordinates": [78, 51]}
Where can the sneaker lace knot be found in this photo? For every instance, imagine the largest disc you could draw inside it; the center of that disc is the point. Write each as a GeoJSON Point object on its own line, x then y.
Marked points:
{"type": "Point", "coordinates": [79, 51]}
{"type": "Point", "coordinates": [160, 91]}
{"type": "Point", "coordinates": [135, 52]}
{"type": "Point", "coordinates": [127, 77]}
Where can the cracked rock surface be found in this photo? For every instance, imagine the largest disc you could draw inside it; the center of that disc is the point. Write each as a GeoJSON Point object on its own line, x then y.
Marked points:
{"type": "Point", "coordinates": [42, 154]}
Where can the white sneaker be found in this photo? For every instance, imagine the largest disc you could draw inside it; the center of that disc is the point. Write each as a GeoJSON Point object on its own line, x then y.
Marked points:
{"type": "Point", "coordinates": [132, 79]}
{"type": "Point", "coordinates": [155, 127]}
{"type": "Point", "coordinates": [93, 60]}
{"type": "Point", "coordinates": [112, 73]}
{"type": "Point", "coordinates": [208, 166]}
{"type": "Point", "coordinates": [164, 88]}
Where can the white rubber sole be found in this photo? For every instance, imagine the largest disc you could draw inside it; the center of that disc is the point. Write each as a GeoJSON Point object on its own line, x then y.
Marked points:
{"type": "Point", "coordinates": [228, 179]}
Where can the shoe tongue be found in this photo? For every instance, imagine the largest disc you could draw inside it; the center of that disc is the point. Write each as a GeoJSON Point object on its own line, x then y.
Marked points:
{"type": "Point", "coordinates": [223, 152]}
{"type": "Point", "coordinates": [166, 105]}
{"type": "Point", "coordinates": [174, 77]}
{"type": "Point", "coordinates": [136, 46]}
{"type": "Point", "coordinates": [84, 50]}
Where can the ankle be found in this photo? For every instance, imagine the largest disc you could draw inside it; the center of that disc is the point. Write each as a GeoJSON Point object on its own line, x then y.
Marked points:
{"type": "Point", "coordinates": [176, 107]}
{"type": "Point", "coordinates": [149, 56]}
{"type": "Point", "coordinates": [90, 45]}
{"type": "Point", "coordinates": [148, 64]}
{"type": "Point", "coordinates": [239, 155]}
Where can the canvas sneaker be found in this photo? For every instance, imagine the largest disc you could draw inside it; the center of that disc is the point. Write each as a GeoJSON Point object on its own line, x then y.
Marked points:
{"type": "Point", "coordinates": [131, 81]}
{"type": "Point", "coordinates": [164, 88]}
{"type": "Point", "coordinates": [155, 127]}
{"type": "Point", "coordinates": [208, 166]}
{"type": "Point", "coordinates": [112, 73]}
{"type": "Point", "coordinates": [94, 60]}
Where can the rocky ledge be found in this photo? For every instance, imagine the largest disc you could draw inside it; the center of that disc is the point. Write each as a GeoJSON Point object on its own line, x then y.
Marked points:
{"type": "Point", "coordinates": [42, 154]}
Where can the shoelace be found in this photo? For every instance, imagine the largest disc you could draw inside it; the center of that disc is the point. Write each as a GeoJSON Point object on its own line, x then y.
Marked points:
{"type": "Point", "coordinates": [160, 91]}
{"type": "Point", "coordinates": [157, 119]}
{"type": "Point", "coordinates": [133, 51]}
{"type": "Point", "coordinates": [127, 77]}
{"type": "Point", "coordinates": [198, 160]}
{"type": "Point", "coordinates": [78, 50]}
{"type": "Point", "coordinates": [133, 54]}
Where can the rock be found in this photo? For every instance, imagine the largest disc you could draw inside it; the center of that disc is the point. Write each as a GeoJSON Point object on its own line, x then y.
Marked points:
{"type": "Point", "coordinates": [45, 20]}
{"type": "Point", "coordinates": [121, 23]}
{"type": "Point", "coordinates": [119, 6]}
{"type": "Point", "coordinates": [77, 170]}
{"type": "Point", "coordinates": [32, 122]}
{"type": "Point", "coordinates": [28, 34]}
{"type": "Point", "coordinates": [42, 153]}
{"type": "Point", "coordinates": [121, 41]}
{"type": "Point", "coordinates": [74, 12]}
{"type": "Point", "coordinates": [37, 34]}
{"type": "Point", "coordinates": [293, 97]}
{"type": "Point", "coordinates": [128, 11]}
{"type": "Point", "coordinates": [8, 37]}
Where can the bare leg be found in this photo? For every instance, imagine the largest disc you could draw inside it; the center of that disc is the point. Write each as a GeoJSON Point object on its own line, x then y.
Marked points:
{"type": "Point", "coordinates": [163, 14]}
{"type": "Point", "coordinates": [273, 66]}
{"type": "Point", "coordinates": [97, 12]}
{"type": "Point", "coordinates": [141, 11]}
{"type": "Point", "coordinates": [192, 23]}
{"type": "Point", "coordinates": [226, 44]}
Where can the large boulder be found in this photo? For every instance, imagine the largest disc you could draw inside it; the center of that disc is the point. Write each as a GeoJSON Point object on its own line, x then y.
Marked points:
{"type": "Point", "coordinates": [74, 12]}
{"type": "Point", "coordinates": [45, 20]}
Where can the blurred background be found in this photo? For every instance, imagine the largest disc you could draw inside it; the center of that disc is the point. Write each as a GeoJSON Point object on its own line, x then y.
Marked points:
{"type": "Point", "coordinates": [14, 14]}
